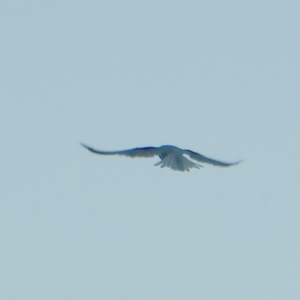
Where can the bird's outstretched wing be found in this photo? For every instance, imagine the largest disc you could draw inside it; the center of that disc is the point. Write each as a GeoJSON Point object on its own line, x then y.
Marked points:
{"type": "Point", "coordinates": [201, 158]}
{"type": "Point", "coordinates": [135, 152]}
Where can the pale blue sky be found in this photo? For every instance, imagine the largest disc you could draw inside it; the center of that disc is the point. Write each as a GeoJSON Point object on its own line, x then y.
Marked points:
{"type": "Point", "coordinates": [218, 77]}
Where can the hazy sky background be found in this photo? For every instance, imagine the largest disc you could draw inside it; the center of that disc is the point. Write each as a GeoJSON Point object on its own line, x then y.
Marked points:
{"type": "Point", "coordinates": [218, 77]}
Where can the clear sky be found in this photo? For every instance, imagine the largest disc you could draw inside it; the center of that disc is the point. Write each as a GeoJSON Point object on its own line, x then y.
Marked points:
{"type": "Point", "coordinates": [217, 77]}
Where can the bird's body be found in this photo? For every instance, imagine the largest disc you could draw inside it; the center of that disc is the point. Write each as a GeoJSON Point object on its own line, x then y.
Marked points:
{"type": "Point", "coordinates": [171, 157]}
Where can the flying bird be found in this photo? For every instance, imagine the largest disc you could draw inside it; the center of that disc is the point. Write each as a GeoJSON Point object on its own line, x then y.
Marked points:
{"type": "Point", "coordinates": [171, 157]}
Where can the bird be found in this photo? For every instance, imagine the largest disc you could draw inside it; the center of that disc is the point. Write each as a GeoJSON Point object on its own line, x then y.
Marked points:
{"type": "Point", "coordinates": [171, 157]}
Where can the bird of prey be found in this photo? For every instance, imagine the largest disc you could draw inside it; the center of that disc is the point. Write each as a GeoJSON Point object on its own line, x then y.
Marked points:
{"type": "Point", "coordinates": [171, 157]}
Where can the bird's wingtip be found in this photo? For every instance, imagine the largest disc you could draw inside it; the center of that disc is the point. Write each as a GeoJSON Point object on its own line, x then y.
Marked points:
{"type": "Point", "coordinates": [85, 146]}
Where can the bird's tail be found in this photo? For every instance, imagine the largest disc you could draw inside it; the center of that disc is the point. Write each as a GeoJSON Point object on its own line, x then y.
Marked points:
{"type": "Point", "coordinates": [177, 163]}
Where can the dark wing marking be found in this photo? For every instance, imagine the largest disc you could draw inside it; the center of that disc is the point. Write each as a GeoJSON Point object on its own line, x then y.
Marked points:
{"type": "Point", "coordinates": [201, 158]}
{"type": "Point", "coordinates": [136, 152]}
